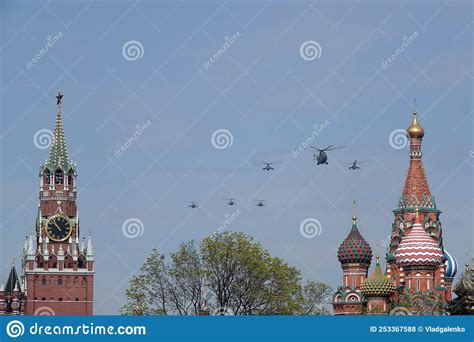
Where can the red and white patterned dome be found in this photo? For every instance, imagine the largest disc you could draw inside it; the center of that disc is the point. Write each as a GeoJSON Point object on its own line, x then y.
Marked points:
{"type": "Point", "coordinates": [418, 248]}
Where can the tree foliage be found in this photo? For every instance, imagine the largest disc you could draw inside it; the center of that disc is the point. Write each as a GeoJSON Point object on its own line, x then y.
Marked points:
{"type": "Point", "coordinates": [226, 272]}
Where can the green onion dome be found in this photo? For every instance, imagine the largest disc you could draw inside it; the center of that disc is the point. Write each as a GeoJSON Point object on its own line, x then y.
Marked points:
{"type": "Point", "coordinates": [377, 284]}
{"type": "Point", "coordinates": [354, 249]}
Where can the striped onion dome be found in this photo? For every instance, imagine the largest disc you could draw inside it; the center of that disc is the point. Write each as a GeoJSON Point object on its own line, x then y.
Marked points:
{"type": "Point", "coordinates": [418, 248]}
{"type": "Point", "coordinates": [354, 248]}
{"type": "Point", "coordinates": [377, 284]}
{"type": "Point", "coordinates": [451, 265]}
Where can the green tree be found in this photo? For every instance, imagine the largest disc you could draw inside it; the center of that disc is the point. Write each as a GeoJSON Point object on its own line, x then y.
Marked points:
{"type": "Point", "coordinates": [188, 278]}
{"type": "Point", "coordinates": [149, 290]}
{"type": "Point", "coordinates": [315, 295]}
{"type": "Point", "coordinates": [227, 270]}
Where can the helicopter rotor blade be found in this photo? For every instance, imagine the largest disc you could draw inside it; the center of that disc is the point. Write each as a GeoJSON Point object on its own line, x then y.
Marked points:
{"type": "Point", "coordinates": [327, 148]}
{"type": "Point", "coordinates": [333, 148]}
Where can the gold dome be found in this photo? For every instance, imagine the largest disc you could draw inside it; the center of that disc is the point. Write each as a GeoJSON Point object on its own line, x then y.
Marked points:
{"type": "Point", "coordinates": [415, 130]}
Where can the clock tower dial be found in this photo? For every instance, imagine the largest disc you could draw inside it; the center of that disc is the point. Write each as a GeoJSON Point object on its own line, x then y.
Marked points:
{"type": "Point", "coordinates": [58, 228]}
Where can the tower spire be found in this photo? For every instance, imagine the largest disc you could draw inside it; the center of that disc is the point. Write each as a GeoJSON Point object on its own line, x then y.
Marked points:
{"type": "Point", "coordinates": [354, 212]}
{"type": "Point", "coordinates": [58, 155]}
{"type": "Point", "coordinates": [416, 190]}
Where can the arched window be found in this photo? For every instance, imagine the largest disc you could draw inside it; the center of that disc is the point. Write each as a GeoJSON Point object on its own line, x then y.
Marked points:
{"type": "Point", "coordinates": [46, 177]}
{"type": "Point", "coordinates": [70, 179]}
{"type": "Point", "coordinates": [60, 281]}
{"type": "Point", "coordinates": [352, 299]}
{"type": "Point", "coordinates": [58, 177]}
{"type": "Point", "coordinates": [418, 281]}
{"type": "Point", "coordinates": [43, 281]}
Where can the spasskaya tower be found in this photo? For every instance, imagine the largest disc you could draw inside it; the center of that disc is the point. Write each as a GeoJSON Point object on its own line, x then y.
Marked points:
{"type": "Point", "coordinates": [58, 266]}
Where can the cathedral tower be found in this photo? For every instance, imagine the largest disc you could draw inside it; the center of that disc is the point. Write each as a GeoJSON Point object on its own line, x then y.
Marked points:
{"type": "Point", "coordinates": [417, 263]}
{"type": "Point", "coordinates": [355, 256]}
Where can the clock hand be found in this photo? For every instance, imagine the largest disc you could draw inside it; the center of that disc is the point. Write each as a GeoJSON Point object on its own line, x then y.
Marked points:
{"type": "Point", "coordinates": [57, 226]}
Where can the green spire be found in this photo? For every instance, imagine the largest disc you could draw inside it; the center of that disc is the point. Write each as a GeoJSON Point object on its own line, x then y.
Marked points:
{"type": "Point", "coordinates": [13, 283]}
{"type": "Point", "coordinates": [58, 154]}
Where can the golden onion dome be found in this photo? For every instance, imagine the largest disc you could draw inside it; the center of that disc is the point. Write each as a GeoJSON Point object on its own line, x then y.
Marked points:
{"type": "Point", "coordinates": [415, 130]}
{"type": "Point", "coordinates": [377, 284]}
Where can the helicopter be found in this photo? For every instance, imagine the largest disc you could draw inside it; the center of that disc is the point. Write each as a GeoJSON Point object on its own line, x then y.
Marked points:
{"type": "Point", "coordinates": [322, 157]}
{"type": "Point", "coordinates": [268, 166]}
{"type": "Point", "coordinates": [260, 203]}
{"type": "Point", "coordinates": [193, 204]}
{"type": "Point", "coordinates": [230, 201]}
{"type": "Point", "coordinates": [355, 165]}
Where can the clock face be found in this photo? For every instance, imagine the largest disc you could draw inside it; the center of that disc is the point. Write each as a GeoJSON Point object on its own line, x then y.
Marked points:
{"type": "Point", "coordinates": [58, 228]}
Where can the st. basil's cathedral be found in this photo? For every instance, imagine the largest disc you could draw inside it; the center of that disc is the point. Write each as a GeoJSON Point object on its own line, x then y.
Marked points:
{"type": "Point", "coordinates": [419, 273]}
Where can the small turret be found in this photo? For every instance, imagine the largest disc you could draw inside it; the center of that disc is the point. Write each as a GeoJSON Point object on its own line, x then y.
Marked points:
{"type": "Point", "coordinates": [89, 251]}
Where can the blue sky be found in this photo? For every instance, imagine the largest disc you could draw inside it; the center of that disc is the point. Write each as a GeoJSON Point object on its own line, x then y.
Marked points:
{"type": "Point", "coordinates": [264, 93]}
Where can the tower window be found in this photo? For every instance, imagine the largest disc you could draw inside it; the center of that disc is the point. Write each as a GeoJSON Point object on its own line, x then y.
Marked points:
{"type": "Point", "coordinates": [60, 281]}
{"type": "Point", "coordinates": [46, 178]}
{"type": "Point", "coordinates": [418, 284]}
{"type": "Point", "coordinates": [43, 282]}
{"type": "Point", "coordinates": [70, 179]}
{"type": "Point", "coordinates": [59, 177]}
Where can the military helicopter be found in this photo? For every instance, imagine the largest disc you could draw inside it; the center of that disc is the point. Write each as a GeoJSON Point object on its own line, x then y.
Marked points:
{"type": "Point", "coordinates": [230, 201]}
{"type": "Point", "coordinates": [268, 166]}
{"type": "Point", "coordinates": [193, 204]}
{"type": "Point", "coordinates": [260, 203]}
{"type": "Point", "coordinates": [322, 157]}
{"type": "Point", "coordinates": [355, 165]}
